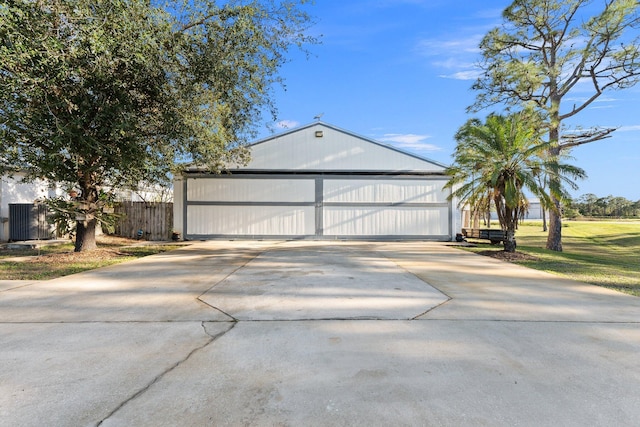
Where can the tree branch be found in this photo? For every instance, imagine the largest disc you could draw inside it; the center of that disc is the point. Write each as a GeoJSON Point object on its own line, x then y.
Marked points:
{"type": "Point", "coordinates": [570, 141]}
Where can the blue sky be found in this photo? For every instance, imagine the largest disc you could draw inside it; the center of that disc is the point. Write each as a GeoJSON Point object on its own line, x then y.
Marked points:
{"type": "Point", "coordinates": [400, 72]}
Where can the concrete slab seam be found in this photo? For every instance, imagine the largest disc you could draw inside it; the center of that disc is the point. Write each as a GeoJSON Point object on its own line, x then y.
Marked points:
{"type": "Point", "coordinates": [112, 322]}
{"type": "Point", "coordinates": [576, 322]}
{"type": "Point", "coordinates": [333, 319]}
{"type": "Point", "coordinates": [212, 339]}
{"type": "Point", "coordinates": [233, 319]}
{"type": "Point", "coordinates": [251, 258]}
{"type": "Point", "coordinates": [325, 319]}
{"type": "Point", "coordinates": [375, 319]}
{"type": "Point", "coordinates": [432, 308]}
{"type": "Point", "coordinates": [22, 286]}
{"type": "Point", "coordinates": [449, 298]}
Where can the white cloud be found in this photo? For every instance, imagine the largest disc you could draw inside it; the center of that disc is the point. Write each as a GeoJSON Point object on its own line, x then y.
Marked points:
{"type": "Point", "coordinates": [410, 142]}
{"type": "Point", "coordinates": [463, 75]}
{"type": "Point", "coordinates": [451, 47]}
{"type": "Point", "coordinates": [408, 138]}
{"type": "Point", "coordinates": [633, 128]}
{"type": "Point", "coordinates": [454, 64]}
{"type": "Point", "coordinates": [607, 99]}
{"type": "Point", "coordinates": [581, 99]}
{"type": "Point", "coordinates": [287, 124]}
{"type": "Point", "coordinates": [457, 56]}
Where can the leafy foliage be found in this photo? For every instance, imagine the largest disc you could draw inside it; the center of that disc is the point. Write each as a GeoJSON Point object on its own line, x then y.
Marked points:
{"type": "Point", "coordinates": [65, 214]}
{"type": "Point", "coordinates": [497, 161]}
{"type": "Point", "coordinates": [545, 52]}
{"type": "Point", "coordinates": [114, 93]}
{"type": "Point", "coordinates": [590, 205]}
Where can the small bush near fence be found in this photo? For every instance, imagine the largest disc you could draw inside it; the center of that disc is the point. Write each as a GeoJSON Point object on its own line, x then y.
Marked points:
{"type": "Point", "coordinates": [146, 221]}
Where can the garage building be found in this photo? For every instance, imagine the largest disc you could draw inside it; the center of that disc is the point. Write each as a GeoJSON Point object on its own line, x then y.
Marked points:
{"type": "Point", "coordinates": [318, 182]}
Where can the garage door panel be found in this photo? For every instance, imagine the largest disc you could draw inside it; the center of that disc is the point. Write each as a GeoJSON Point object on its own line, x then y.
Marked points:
{"type": "Point", "coordinates": [316, 206]}
{"type": "Point", "coordinates": [251, 220]}
{"type": "Point", "coordinates": [383, 191]}
{"type": "Point", "coordinates": [385, 221]}
{"type": "Point", "coordinates": [251, 190]}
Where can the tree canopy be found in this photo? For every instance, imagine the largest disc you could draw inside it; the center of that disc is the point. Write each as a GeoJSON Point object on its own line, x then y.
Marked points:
{"type": "Point", "coordinates": [97, 94]}
{"type": "Point", "coordinates": [590, 205]}
{"type": "Point", "coordinates": [496, 162]}
{"type": "Point", "coordinates": [548, 51]}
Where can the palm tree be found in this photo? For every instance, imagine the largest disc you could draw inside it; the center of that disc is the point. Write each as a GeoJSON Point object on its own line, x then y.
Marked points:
{"type": "Point", "coordinates": [503, 158]}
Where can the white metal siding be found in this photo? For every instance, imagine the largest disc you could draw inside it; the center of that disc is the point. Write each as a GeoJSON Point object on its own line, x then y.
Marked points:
{"type": "Point", "coordinates": [383, 191]}
{"type": "Point", "coordinates": [385, 221]}
{"type": "Point", "coordinates": [317, 206]}
{"type": "Point", "coordinates": [335, 150]}
{"type": "Point", "coordinates": [251, 220]}
{"type": "Point", "coordinates": [321, 181]}
{"type": "Point", "coordinates": [178, 205]}
{"type": "Point", "coordinates": [250, 190]}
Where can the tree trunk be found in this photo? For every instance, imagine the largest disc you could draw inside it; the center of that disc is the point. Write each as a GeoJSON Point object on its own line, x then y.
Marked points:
{"type": "Point", "coordinates": [544, 219]}
{"type": "Point", "coordinates": [86, 235]}
{"type": "Point", "coordinates": [510, 241]}
{"type": "Point", "coordinates": [554, 238]}
{"type": "Point", "coordinates": [86, 228]}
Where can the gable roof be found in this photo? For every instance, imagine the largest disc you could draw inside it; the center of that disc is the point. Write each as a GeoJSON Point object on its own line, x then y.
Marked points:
{"type": "Point", "coordinates": [322, 147]}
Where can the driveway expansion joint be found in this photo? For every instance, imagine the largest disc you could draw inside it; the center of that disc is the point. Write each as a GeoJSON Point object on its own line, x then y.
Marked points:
{"type": "Point", "coordinates": [250, 257]}
{"type": "Point", "coordinates": [233, 319]}
{"type": "Point", "coordinates": [433, 308]}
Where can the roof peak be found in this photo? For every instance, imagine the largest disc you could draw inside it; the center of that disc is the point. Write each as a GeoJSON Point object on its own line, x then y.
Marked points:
{"type": "Point", "coordinates": [347, 132]}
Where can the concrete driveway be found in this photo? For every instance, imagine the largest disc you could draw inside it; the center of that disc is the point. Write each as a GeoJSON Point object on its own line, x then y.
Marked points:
{"type": "Point", "coordinates": [317, 334]}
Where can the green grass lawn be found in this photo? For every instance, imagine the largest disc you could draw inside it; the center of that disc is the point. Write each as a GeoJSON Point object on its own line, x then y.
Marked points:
{"type": "Point", "coordinates": [604, 253]}
{"type": "Point", "coordinates": [54, 261]}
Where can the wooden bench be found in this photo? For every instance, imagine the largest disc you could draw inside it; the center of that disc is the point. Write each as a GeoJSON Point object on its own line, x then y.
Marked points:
{"type": "Point", "coordinates": [494, 235]}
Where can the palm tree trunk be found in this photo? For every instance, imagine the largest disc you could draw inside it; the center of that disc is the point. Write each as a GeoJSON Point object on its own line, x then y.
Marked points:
{"type": "Point", "coordinates": [510, 241]}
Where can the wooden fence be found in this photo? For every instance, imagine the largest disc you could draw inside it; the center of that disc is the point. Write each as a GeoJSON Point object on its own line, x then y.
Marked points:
{"type": "Point", "coordinates": [146, 221]}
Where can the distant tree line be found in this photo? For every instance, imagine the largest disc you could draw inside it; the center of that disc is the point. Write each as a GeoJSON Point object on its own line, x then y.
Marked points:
{"type": "Point", "coordinates": [590, 205]}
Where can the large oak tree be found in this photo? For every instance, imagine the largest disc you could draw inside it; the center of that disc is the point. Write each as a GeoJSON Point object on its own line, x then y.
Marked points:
{"type": "Point", "coordinates": [101, 94]}
{"type": "Point", "coordinates": [548, 51]}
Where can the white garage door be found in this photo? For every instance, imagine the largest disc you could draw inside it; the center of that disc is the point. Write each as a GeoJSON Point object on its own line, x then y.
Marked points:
{"type": "Point", "coordinates": [385, 207]}
{"type": "Point", "coordinates": [316, 206]}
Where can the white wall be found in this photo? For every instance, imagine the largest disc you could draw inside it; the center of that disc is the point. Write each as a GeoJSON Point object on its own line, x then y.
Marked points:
{"type": "Point", "coordinates": [419, 207]}
{"type": "Point", "coordinates": [396, 193]}
{"type": "Point", "coordinates": [254, 190]}
{"type": "Point", "coordinates": [386, 221]}
{"type": "Point", "coordinates": [251, 220]}
{"type": "Point", "coordinates": [288, 220]}
{"type": "Point", "coordinates": [283, 206]}
{"type": "Point", "coordinates": [384, 191]}
{"type": "Point", "coordinates": [335, 150]}
{"type": "Point", "coordinates": [178, 205]}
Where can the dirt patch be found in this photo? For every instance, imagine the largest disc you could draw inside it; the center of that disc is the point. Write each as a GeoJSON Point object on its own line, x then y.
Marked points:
{"type": "Point", "coordinates": [100, 254]}
{"type": "Point", "coordinates": [109, 248]}
{"type": "Point", "coordinates": [60, 260]}
{"type": "Point", "coordinates": [508, 256]}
